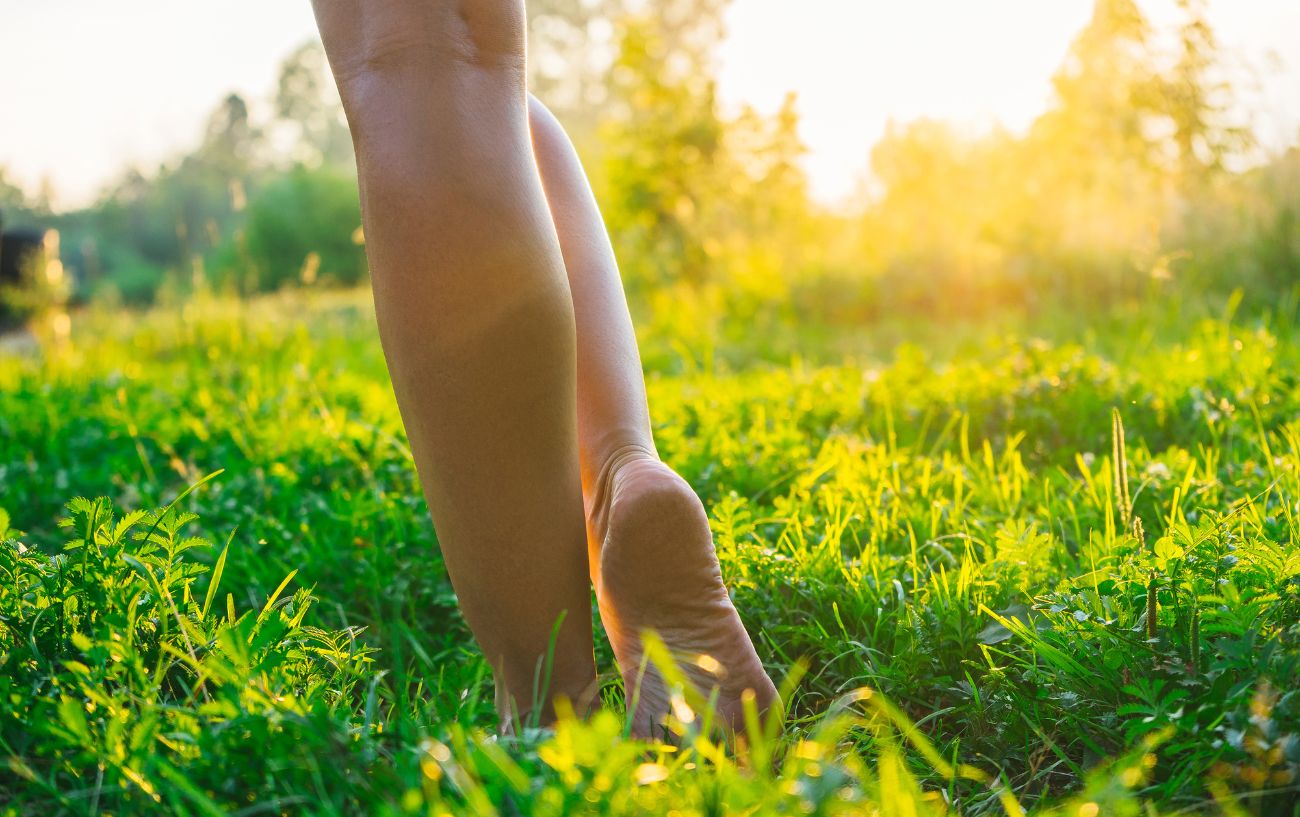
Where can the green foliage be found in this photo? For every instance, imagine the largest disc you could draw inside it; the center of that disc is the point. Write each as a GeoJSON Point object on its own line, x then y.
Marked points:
{"type": "Point", "coordinates": [177, 223]}
{"type": "Point", "coordinates": [302, 227]}
{"type": "Point", "coordinates": [693, 197]}
{"type": "Point", "coordinates": [136, 698]}
{"type": "Point", "coordinates": [13, 201]}
{"type": "Point", "coordinates": [128, 689]}
{"type": "Point", "coordinates": [133, 280]}
{"type": "Point", "coordinates": [1139, 171]}
{"type": "Point", "coordinates": [1121, 184]}
{"type": "Point", "coordinates": [306, 99]}
{"type": "Point", "coordinates": [1062, 545]}
{"type": "Point", "coordinates": [950, 530]}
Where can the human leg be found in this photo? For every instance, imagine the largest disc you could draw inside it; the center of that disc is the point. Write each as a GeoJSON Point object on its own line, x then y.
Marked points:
{"type": "Point", "coordinates": [475, 316]}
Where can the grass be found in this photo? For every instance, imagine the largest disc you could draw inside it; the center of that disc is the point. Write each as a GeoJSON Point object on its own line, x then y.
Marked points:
{"type": "Point", "coordinates": [1020, 573]}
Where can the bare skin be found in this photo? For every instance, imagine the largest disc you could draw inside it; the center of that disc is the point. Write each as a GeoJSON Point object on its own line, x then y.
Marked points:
{"type": "Point", "coordinates": [651, 551]}
{"type": "Point", "coordinates": [514, 364]}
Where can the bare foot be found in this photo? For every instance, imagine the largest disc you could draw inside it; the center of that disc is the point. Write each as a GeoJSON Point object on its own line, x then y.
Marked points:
{"type": "Point", "coordinates": [657, 570]}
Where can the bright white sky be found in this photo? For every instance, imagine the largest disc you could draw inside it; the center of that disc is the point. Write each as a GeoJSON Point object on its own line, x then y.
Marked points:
{"type": "Point", "coordinates": [88, 87]}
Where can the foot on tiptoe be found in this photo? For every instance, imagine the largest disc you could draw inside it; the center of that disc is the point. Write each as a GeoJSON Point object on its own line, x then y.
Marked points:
{"type": "Point", "coordinates": [656, 570]}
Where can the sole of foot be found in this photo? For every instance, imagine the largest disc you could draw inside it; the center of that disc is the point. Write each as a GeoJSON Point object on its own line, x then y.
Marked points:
{"type": "Point", "coordinates": [656, 570]}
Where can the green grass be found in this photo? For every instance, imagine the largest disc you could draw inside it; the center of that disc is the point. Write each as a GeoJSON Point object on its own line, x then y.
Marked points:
{"type": "Point", "coordinates": [1065, 571]}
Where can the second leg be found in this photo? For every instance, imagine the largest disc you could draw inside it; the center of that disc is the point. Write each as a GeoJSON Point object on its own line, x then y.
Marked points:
{"type": "Point", "coordinates": [651, 550]}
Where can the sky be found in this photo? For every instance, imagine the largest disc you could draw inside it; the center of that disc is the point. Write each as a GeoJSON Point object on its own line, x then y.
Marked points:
{"type": "Point", "coordinates": [88, 87]}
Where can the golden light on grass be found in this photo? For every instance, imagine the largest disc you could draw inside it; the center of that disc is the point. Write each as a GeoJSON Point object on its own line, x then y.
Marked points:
{"type": "Point", "coordinates": [648, 773]}
{"type": "Point", "coordinates": [682, 710]}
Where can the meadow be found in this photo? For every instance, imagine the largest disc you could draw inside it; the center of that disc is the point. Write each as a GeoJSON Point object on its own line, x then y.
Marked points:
{"type": "Point", "coordinates": [1043, 568]}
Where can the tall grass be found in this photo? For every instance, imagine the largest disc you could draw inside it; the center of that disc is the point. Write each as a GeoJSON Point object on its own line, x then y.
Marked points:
{"type": "Point", "coordinates": [1057, 576]}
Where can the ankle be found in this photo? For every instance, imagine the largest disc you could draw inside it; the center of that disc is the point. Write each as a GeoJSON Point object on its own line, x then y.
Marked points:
{"type": "Point", "coordinates": [614, 460]}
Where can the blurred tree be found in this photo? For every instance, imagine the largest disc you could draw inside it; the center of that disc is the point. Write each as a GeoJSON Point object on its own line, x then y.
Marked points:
{"type": "Point", "coordinates": [231, 146]}
{"type": "Point", "coordinates": [1198, 99]}
{"type": "Point", "coordinates": [664, 139]}
{"type": "Point", "coordinates": [1098, 156]}
{"type": "Point", "coordinates": [951, 217]}
{"type": "Point", "coordinates": [300, 228]}
{"type": "Point", "coordinates": [308, 103]}
{"type": "Point", "coordinates": [42, 204]}
{"type": "Point", "coordinates": [709, 208]}
{"type": "Point", "coordinates": [691, 195]}
{"type": "Point", "coordinates": [145, 224]}
{"type": "Point", "coordinates": [130, 213]}
{"type": "Point", "coordinates": [13, 201]}
{"type": "Point", "coordinates": [571, 47]}
{"type": "Point", "coordinates": [771, 238]}
{"type": "Point", "coordinates": [1086, 203]}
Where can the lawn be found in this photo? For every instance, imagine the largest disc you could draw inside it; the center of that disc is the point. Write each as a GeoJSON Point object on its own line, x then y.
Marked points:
{"type": "Point", "coordinates": [1046, 570]}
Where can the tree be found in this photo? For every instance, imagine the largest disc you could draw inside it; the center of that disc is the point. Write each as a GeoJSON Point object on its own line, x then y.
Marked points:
{"type": "Point", "coordinates": [13, 201]}
{"type": "Point", "coordinates": [1097, 160]}
{"type": "Point", "coordinates": [693, 196]}
{"type": "Point", "coordinates": [307, 102]}
{"type": "Point", "coordinates": [231, 144]}
{"type": "Point", "coordinates": [1197, 96]}
{"type": "Point", "coordinates": [664, 139]}
{"type": "Point", "coordinates": [571, 48]}
{"type": "Point", "coordinates": [300, 226]}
